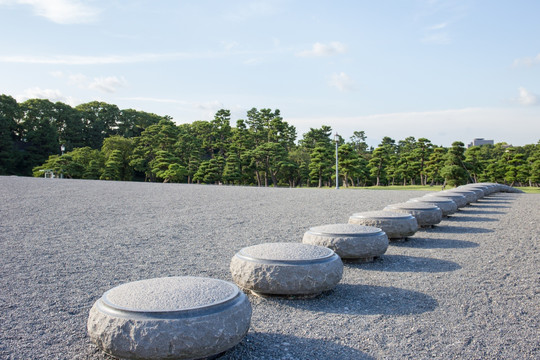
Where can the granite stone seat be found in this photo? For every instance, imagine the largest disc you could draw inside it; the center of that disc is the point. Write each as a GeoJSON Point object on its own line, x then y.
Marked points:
{"type": "Point", "coordinates": [172, 317]}
{"type": "Point", "coordinates": [487, 189]}
{"type": "Point", "coordinates": [397, 225]}
{"type": "Point", "coordinates": [426, 214]}
{"type": "Point", "coordinates": [349, 241]}
{"type": "Point", "coordinates": [470, 195]}
{"type": "Point", "coordinates": [286, 269]}
{"type": "Point", "coordinates": [447, 206]}
{"type": "Point", "coordinates": [459, 199]}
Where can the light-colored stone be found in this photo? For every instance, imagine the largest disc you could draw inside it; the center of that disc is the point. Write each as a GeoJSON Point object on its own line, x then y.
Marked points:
{"type": "Point", "coordinates": [173, 317]}
{"type": "Point", "coordinates": [470, 196]}
{"type": "Point", "coordinates": [487, 189]}
{"type": "Point", "coordinates": [396, 225]}
{"type": "Point", "coordinates": [349, 241]}
{"type": "Point", "coordinates": [426, 214]}
{"type": "Point", "coordinates": [447, 206]}
{"type": "Point", "coordinates": [286, 269]}
{"type": "Point", "coordinates": [459, 199]}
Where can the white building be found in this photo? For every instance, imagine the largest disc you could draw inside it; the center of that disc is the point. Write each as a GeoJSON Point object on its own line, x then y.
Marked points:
{"type": "Point", "coordinates": [480, 142]}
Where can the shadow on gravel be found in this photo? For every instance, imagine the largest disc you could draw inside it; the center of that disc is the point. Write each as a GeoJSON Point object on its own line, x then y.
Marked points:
{"type": "Point", "coordinates": [492, 201]}
{"type": "Point", "coordinates": [369, 300]}
{"type": "Point", "coordinates": [457, 230]}
{"type": "Point", "coordinates": [486, 206]}
{"type": "Point", "coordinates": [402, 263]}
{"type": "Point", "coordinates": [478, 212]}
{"type": "Point", "coordinates": [468, 218]}
{"type": "Point", "coordinates": [427, 243]}
{"type": "Point", "coordinates": [257, 345]}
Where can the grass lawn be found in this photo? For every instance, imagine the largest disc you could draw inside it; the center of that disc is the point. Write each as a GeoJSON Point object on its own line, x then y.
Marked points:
{"type": "Point", "coordinates": [529, 190]}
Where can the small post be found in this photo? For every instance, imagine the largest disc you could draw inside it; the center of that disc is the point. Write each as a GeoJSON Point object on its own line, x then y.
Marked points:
{"type": "Point", "coordinates": [62, 149]}
{"type": "Point", "coordinates": [336, 139]}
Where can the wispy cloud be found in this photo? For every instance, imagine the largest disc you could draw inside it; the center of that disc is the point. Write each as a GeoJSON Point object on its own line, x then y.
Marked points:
{"type": "Point", "coordinates": [103, 60]}
{"type": "Point", "coordinates": [320, 49]}
{"type": "Point", "coordinates": [526, 97]}
{"type": "Point", "coordinates": [60, 11]}
{"type": "Point", "coordinates": [527, 61]}
{"type": "Point", "coordinates": [53, 95]}
{"type": "Point", "coordinates": [441, 38]}
{"type": "Point", "coordinates": [342, 82]}
{"type": "Point", "coordinates": [107, 84]}
{"type": "Point", "coordinates": [131, 58]}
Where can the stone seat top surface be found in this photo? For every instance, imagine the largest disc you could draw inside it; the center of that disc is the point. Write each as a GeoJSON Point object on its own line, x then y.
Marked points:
{"type": "Point", "coordinates": [350, 230]}
{"type": "Point", "coordinates": [444, 194]}
{"type": "Point", "coordinates": [413, 206]}
{"type": "Point", "coordinates": [287, 252]}
{"type": "Point", "coordinates": [435, 199]}
{"type": "Point", "coordinates": [459, 191]}
{"type": "Point", "coordinates": [170, 294]}
{"type": "Point", "coordinates": [380, 214]}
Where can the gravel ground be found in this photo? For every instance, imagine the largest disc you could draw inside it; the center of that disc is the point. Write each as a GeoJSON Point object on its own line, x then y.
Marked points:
{"type": "Point", "coordinates": [468, 288]}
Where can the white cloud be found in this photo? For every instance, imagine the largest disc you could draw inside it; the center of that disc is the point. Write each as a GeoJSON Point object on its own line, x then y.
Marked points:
{"type": "Point", "coordinates": [229, 45]}
{"type": "Point", "coordinates": [320, 49]}
{"type": "Point", "coordinates": [527, 61]}
{"type": "Point", "coordinates": [438, 26]}
{"type": "Point", "coordinates": [107, 84]}
{"type": "Point", "coordinates": [106, 59]}
{"type": "Point", "coordinates": [63, 11]}
{"type": "Point", "coordinates": [53, 95]}
{"type": "Point", "coordinates": [342, 82]}
{"type": "Point", "coordinates": [526, 97]}
{"type": "Point", "coordinates": [441, 38]}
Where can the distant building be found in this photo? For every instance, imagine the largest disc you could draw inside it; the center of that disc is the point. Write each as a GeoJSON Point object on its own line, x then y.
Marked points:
{"type": "Point", "coordinates": [480, 142]}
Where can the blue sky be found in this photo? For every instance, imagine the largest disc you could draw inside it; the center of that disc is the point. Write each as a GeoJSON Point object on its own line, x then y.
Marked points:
{"type": "Point", "coordinates": [445, 70]}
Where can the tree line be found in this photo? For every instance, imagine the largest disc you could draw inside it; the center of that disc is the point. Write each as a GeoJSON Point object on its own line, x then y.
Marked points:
{"type": "Point", "coordinates": [97, 140]}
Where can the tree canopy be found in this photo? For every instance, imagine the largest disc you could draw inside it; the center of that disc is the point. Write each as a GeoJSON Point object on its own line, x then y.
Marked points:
{"type": "Point", "coordinates": [104, 142]}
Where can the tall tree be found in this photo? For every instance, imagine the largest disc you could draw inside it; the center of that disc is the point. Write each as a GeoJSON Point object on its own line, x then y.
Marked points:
{"type": "Point", "coordinates": [38, 133]}
{"type": "Point", "coordinates": [320, 166]}
{"type": "Point", "coordinates": [100, 121]}
{"type": "Point", "coordinates": [454, 170]}
{"type": "Point", "coordinates": [9, 156]}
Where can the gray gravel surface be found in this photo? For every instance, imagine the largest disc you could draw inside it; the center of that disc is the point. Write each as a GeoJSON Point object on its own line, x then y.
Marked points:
{"type": "Point", "coordinates": [468, 288]}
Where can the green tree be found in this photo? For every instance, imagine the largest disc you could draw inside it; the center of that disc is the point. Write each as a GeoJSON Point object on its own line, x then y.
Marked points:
{"type": "Point", "coordinates": [475, 162]}
{"type": "Point", "coordinates": [320, 166]}
{"type": "Point", "coordinates": [113, 166]}
{"type": "Point", "coordinates": [435, 164]}
{"type": "Point", "coordinates": [125, 146]}
{"type": "Point", "coordinates": [131, 123]}
{"type": "Point", "coordinates": [348, 162]}
{"type": "Point", "coordinates": [174, 173]}
{"type": "Point", "coordinates": [380, 159]}
{"type": "Point", "coordinates": [454, 170]}
{"type": "Point", "coordinates": [160, 137]}
{"type": "Point", "coordinates": [9, 156]}
{"type": "Point", "coordinates": [100, 120]}
{"type": "Point", "coordinates": [38, 133]}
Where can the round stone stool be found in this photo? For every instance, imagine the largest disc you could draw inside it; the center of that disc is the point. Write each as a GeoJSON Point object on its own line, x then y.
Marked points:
{"type": "Point", "coordinates": [397, 225]}
{"type": "Point", "coordinates": [487, 189]}
{"type": "Point", "coordinates": [470, 195]}
{"type": "Point", "coordinates": [427, 215]}
{"type": "Point", "coordinates": [460, 200]}
{"type": "Point", "coordinates": [349, 241]}
{"type": "Point", "coordinates": [286, 269]}
{"type": "Point", "coordinates": [172, 317]}
{"type": "Point", "coordinates": [447, 206]}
